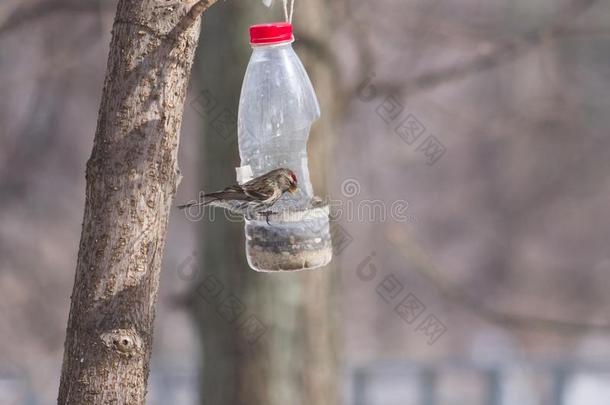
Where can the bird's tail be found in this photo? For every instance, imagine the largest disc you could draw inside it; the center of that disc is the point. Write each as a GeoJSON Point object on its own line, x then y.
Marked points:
{"type": "Point", "coordinates": [207, 199]}
{"type": "Point", "coordinates": [189, 205]}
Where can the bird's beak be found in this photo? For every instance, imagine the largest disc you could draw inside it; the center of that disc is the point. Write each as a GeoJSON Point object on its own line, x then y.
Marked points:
{"type": "Point", "coordinates": [293, 188]}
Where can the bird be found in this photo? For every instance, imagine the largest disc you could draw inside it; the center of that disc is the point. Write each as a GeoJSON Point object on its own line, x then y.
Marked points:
{"type": "Point", "coordinates": [255, 196]}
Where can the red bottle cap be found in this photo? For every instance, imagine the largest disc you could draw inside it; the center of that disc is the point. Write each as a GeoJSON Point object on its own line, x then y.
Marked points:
{"type": "Point", "coordinates": [271, 33]}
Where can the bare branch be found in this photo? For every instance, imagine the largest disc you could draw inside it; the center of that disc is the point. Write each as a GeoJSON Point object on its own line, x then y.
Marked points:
{"type": "Point", "coordinates": [409, 249]}
{"type": "Point", "coordinates": [191, 17]}
{"type": "Point", "coordinates": [498, 55]}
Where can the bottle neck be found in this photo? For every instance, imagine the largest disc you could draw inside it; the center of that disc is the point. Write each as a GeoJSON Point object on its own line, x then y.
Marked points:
{"type": "Point", "coordinates": [272, 45]}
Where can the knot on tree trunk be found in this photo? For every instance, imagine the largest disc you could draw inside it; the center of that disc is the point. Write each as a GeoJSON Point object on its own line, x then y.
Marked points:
{"type": "Point", "coordinates": [125, 342]}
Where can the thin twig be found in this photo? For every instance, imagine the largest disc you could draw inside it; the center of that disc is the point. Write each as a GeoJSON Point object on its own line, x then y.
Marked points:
{"type": "Point", "coordinates": [191, 17]}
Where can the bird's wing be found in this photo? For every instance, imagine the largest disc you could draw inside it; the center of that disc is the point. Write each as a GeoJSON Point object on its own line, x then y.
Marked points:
{"type": "Point", "coordinates": [261, 190]}
{"type": "Point", "coordinates": [229, 193]}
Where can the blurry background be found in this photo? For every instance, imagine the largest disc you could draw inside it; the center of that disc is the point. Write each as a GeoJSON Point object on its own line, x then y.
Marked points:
{"type": "Point", "coordinates": [464, 145]}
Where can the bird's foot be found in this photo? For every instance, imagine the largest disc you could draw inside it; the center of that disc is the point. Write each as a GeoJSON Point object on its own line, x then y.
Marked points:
{"type": "Point", "coordinates": [266, 214]}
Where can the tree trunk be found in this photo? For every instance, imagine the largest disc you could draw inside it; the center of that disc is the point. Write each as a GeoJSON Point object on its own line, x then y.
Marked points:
{"type": "Point", "coordinates": [222, 251]}
{"type": "Point", "coordinates": [132, 176]}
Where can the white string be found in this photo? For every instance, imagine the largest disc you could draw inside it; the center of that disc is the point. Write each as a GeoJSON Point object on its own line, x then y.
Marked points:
{"type": "Point", "coordinates": [291, 11]}
{"type": "Point", "coordinates": [288, 15]}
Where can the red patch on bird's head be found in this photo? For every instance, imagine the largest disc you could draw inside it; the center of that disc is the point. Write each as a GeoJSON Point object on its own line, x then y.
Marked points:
{"type": "Point", "coordinates": [293, 182]}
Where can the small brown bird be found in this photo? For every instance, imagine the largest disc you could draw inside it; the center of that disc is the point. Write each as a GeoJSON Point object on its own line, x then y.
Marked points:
{"type": "Point", "coordinates": [257, 195]}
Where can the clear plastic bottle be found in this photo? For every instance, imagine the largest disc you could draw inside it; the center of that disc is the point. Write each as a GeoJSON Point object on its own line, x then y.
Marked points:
{"type": "Point", "coordinates": [276, 110]}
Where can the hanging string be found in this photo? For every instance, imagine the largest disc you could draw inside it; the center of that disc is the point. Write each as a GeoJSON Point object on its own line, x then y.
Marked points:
{"type": "Point", "coordinates": [288, 15]}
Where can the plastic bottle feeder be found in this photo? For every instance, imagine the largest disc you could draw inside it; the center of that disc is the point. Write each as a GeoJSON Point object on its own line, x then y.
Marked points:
{"type": "Point", "coordinates": [276, 110]}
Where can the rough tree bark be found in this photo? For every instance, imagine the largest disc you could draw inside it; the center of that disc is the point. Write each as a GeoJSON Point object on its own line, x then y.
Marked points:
{"type": "Point", "coordinates": [132, 177]}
